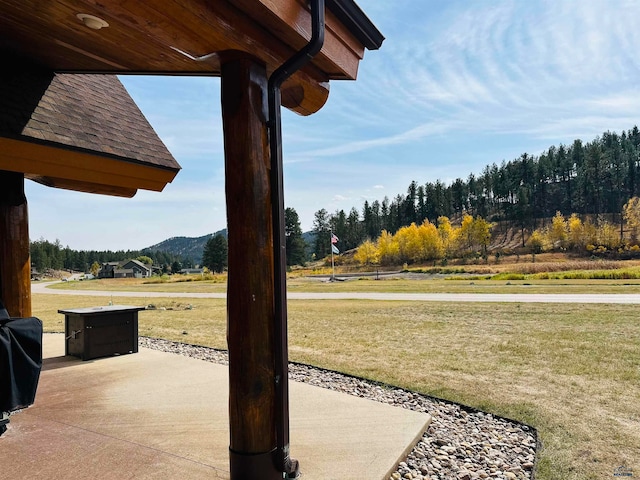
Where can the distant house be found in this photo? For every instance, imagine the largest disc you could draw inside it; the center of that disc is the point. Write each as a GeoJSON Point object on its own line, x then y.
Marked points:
{"type": "Point", "coordinates": [124, 269]}
{"type": "Point", "coordinates": [107, 270]}
{"type": "Point", "coordinates": [139, 269]}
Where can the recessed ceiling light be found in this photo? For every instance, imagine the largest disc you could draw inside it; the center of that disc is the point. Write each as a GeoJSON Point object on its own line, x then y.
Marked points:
{"type": "Point", "coordinates": [91, 21]}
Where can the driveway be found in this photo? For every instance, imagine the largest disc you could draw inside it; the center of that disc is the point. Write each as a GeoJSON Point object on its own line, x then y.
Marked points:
{"type": "Point", "coordinates": [415, 297]}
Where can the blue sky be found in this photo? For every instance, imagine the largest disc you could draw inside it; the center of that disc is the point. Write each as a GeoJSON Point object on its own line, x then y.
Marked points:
{"type": "Point", "coordinates": [456, 85]}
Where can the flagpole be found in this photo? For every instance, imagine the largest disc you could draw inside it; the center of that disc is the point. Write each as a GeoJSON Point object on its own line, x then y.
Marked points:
{"type": "Point", "coordinates": [333, 268]}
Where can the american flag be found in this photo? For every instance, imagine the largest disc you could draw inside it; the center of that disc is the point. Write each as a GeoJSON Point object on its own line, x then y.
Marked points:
{"type": "Point", "coordinates": [334, 239]}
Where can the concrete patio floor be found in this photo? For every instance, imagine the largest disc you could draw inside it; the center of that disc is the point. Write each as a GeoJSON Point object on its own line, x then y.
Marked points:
{"type": "Point", "coordinates": [157, 415]}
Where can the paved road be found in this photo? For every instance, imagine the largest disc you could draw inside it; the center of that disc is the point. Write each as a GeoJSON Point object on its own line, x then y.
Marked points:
{"type": "Point", "coordinates": [417, 297]}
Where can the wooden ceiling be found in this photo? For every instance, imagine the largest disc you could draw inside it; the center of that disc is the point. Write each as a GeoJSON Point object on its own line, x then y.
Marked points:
{"type": "Point", "coordinates": [169, 36]}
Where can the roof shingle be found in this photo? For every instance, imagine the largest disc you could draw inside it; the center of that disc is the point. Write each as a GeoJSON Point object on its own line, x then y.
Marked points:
{"type": "Point", "coordinates": [93, 113]}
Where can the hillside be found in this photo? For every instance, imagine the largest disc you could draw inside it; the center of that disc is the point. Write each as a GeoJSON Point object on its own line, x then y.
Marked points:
{"type": "Point", "coordinates": [186, 247]}
{"type": "Point", "coordinates": [505, 236]}
{"type": "Point", "coordinates": [193, 247]}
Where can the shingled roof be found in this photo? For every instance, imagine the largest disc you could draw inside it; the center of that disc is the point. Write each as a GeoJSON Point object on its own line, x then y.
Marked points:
{"type": "Point", "coordinates": [92, 116]}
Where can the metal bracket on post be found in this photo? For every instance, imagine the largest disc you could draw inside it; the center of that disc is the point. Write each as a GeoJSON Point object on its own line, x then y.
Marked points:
{"type": "Point", "coordinates": [288, 466]}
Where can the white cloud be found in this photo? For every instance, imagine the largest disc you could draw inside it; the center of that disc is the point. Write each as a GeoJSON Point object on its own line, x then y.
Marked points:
{"type": "Point", "coordinates": [455, 86]}
{"type": "Point", "coordinates": [416, 133]}
{"type": "Point", "coordinates": [505, 62]}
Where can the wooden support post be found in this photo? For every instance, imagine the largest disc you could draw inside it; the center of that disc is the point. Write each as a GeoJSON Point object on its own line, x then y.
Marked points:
{"type": "Point", "coordinates": [250, 294]}
{"type": "Point", "coordinates": [15, 263]}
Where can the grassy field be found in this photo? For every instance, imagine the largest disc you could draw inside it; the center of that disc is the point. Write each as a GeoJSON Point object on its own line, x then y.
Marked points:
{"type": "Point", "coordinates": [572, 371]}
{"type": "Point", "coordinates": [428, 284]}
{"type": "Point", "coordinates": [551, 273]}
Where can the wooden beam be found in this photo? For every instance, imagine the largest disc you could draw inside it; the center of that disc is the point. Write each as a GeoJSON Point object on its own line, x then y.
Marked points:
{"type": "Point", "coordinates": [62, 165]}
{"type": "Point", "coordinates": [201, 28]}
{"type": "Point", "coordinates": [291, 22]}
{"type": "Point", "coordinates": [15, 263]}
{"type": "Point", "coordinates": [86, 187]}
{"type": "Point", "coordinates": [250, 287]}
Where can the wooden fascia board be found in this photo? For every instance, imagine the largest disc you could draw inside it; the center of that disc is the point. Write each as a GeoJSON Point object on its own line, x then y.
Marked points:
{"type": "Point", "coordinates": [37, 160]}
{"type": "Point", "coordinates": [85, 187]}
{"type": "Point", "coordinates": [291, 21]}
{"type": "Point", "coordinates": [357, 22]}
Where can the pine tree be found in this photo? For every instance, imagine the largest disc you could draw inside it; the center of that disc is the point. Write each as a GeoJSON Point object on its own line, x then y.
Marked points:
{"type": "Point", "coordinates": [322, 228]}
{"type": "Point", "coordinates": [215, 254]}
{"type": "Point", "coordinates": [296, 254]}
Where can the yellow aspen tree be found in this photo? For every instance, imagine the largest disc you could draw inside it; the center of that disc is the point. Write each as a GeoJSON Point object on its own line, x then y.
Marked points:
{"type": "Point", "coordinates": [414, 245]}
{"type": "Point", "coordinates": [589, 234]}
{"type": "Point", "coordinates": [558, 233]}
{"type": "Point", "coordinates": [387, 248]}
{"type": "Point", "coordinates": [431, 243]}
{"type": "Point", "coordinates": [536, 242]}
{"type": "Point", "coordinates": [481, 233]}
{"type": "Point", "coordinates": [465, 234]}
{"type": "Point", "coordinates": [575, 236]}
{"type": "Point", "coordinates": [367, 253]}
{"type": "Point", "coordinates": [608, 235]}
{"type": "Point", "coordinates": [448, 235]}
{"type": "Point", "coordinates": [631, 213]}
{"type": "Point", "coordinates": [400, 239]}
{"type": "Point", "coordinates": [408, 240]}
{"type": "Point", "coordinates": [95, 268]}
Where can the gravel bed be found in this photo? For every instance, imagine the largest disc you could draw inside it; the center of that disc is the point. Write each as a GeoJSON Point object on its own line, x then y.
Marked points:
{"type": "Point", "coordinates": [460, 444]}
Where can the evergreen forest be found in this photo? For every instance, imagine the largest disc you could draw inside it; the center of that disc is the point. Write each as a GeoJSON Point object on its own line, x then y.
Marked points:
{"type": "Point", "coordinates": [592, 180]}
{"type": "Point", "coordinates": [52, 255]}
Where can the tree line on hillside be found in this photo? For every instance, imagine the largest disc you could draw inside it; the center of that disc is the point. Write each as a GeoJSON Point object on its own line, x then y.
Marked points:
{"type": "Point", "coordinates": [590, 179]}
{"type": "Point", "coordinates": [427, 242]}
{"type": "Point", "coordinates": [47, 255]}
{"type": "Point", "coordinates": [593, 179]}
{"type": "Point", "coordinates": [442, 241]}
{"type": "Point", "coordinates": [597, 238]}
{"type": "Point", "coordinates": [215, 252]}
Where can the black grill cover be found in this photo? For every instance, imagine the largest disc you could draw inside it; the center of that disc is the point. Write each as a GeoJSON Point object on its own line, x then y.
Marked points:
{"type": "Point", "coordinates": [20, 360]}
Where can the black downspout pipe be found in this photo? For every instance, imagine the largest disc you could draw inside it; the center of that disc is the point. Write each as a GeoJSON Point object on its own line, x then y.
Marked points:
{"type": "Point", "coordinates": [283, 461]}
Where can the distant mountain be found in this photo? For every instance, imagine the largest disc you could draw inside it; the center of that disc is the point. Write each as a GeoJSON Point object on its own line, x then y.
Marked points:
{"type": "Point", "coordinates": [310, 239]}
{"type": "Point", "coordinates": [192, 247]}
{"type": "Point", "coordinates": [186, 247]}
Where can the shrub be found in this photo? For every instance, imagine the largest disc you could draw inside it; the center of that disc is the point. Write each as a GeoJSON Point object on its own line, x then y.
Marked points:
{"type": "Point", "coordinates": [508, 276]}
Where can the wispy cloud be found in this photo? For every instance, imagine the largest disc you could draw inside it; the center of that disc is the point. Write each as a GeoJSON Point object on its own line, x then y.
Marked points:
{"type": "Point", "coordinates": [480, 72]}
{"type": "Point", "coordinates": [534, 62]}
{"type": "Point", "coordinates": [408, 136]}
{"type": "Point", "coordinates": [456, 85]}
